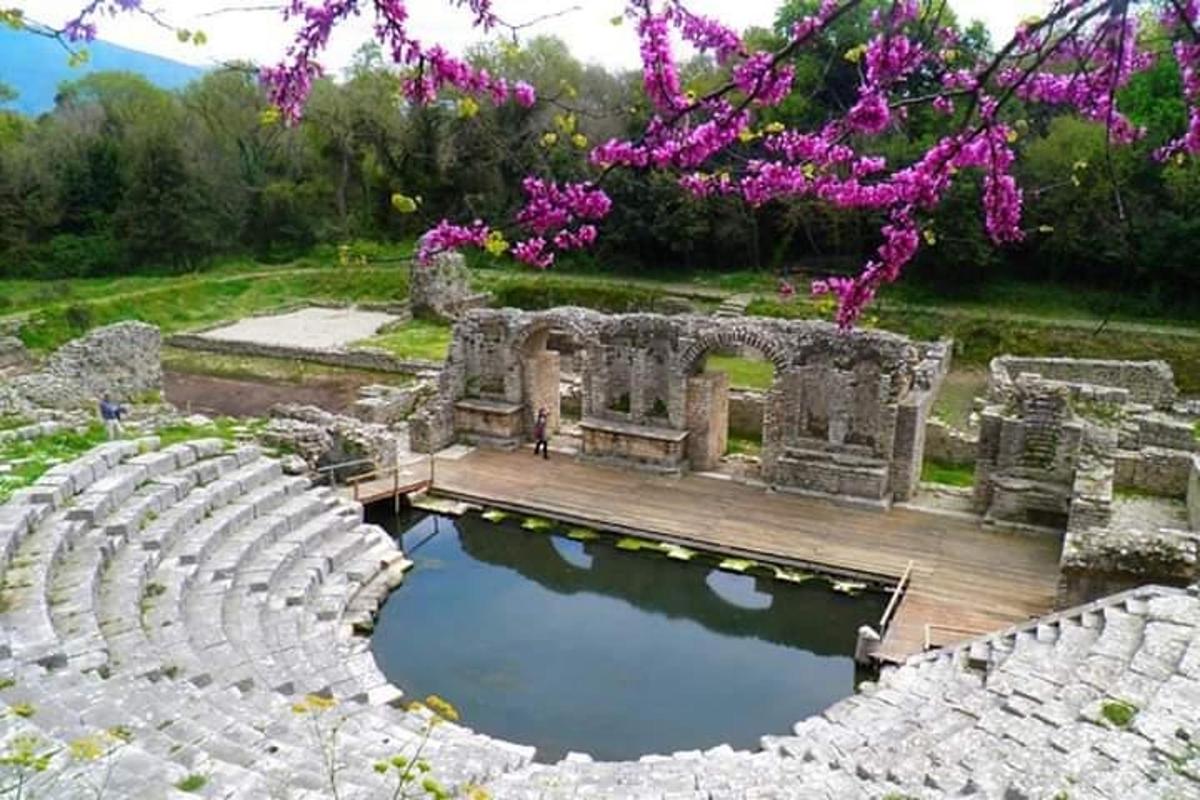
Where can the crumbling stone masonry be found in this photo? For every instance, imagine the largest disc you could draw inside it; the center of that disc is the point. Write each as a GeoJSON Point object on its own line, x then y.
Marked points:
{"type": "Point", "coordinates": [845, 415]}
{"type": "Point", "coordinates": [1101, 452]}
{"type": "Point", "coordinates": [1149, 383]}
{"type": "Point", "coordinates": [442, 288]}
{"type": "Point", "coordinates": [123, 359]}
{"type": "Point", "coordinates": [1193, 495]}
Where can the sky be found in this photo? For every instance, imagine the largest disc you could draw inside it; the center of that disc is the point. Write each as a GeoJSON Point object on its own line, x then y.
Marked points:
{"type": "Point", "coordinates": [261, 36]}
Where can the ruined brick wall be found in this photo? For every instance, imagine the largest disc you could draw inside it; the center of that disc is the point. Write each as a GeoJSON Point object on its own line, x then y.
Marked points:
{"type": "Point", "coordinates": [835, 394]}
{"type": "Point", "coordinates": [1147, 382]}
{"type": "Point", "coordinates": [123, 360]}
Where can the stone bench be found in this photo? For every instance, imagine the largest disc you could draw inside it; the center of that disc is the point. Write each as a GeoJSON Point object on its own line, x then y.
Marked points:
{"type": "Point", "coordinates": [626, 443]}
{"type": "Point", "coordinates": [491, 423]}
{"type": "Point", "coordinates": [832, 473]}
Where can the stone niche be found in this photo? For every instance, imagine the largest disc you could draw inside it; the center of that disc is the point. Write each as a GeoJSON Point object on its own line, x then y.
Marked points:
{"type": "Point", "coordinates": [845, 416]}
{"type": "Point", "coordinates": [1025, 467]}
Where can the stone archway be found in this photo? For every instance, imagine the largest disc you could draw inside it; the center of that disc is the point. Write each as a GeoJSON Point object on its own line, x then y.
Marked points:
{"type": "Point", "coordinates": [541, 367]}
{"type": "Point", "coordinates": [708, 393]}
{"type": "Point", "coordinates": [732, 336]}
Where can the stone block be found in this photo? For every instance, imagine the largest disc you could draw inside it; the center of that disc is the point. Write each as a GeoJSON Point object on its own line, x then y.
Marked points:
{"type": "Point", "coordinates": [490, 422]}
{"type": "Point", "coordinates": [636, 445]}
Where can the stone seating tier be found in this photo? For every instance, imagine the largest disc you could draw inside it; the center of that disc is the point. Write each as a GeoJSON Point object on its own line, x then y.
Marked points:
{"type": "Point", "coordinates": [837, 475]}
{"type": "Point", "coordinates": [190, 596]}
{"type": "Point", "coordinates": [187, 596]}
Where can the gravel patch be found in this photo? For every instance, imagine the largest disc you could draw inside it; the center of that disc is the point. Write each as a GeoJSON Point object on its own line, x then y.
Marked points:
{"type": "Point", "coordinates": [308, 327]}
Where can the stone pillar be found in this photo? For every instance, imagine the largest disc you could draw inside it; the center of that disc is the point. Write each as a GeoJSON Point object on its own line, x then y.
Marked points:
{"type": "Point", "coordinates": [542, 387]}
{"type": "Point", "coordinates": [707, 419]}
{"type": "Point", "coordinates": [908, 451]}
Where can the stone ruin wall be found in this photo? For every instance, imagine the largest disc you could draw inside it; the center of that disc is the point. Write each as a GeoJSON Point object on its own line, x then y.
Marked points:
{"type": "Point", "coordinates": [1149, 383]}
{"type": "Point", "coordinates": [122, 359]}
{"type": "Point", "coordinates": [845, 416]}
{"type": "Point", "coordinates": [1118, 430]}
{"type": "Point", "coordinates": [442, 288]}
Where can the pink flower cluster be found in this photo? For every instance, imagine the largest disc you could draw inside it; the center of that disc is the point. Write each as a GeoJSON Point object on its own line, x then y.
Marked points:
{"type": "Point", "coordinates": [434, 69]}
{"type": "Point", "coordinates": [81, 28]}
{"type": "Point", "coordinates": [564, 213]}
{"type": "Point", "coordinates": [448, 236]}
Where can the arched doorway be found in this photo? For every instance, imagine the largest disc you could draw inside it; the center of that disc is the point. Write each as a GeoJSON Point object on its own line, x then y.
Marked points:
{"type": "Point", "coordinates": [554, 356]}
{"type": "Point", "coordinates": [730, 377]}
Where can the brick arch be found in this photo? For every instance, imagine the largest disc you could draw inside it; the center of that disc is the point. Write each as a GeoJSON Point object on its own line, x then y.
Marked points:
{"type": "Point", "coordinates": [544, 322]}
{"type": "Point", "coordinates": [770, 346]}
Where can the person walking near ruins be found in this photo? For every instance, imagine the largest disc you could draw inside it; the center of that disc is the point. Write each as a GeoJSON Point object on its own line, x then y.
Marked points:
{"type": "Point", "coordinates": [540, 437]}
{"type": "Point", "coordinates": [110, 414]}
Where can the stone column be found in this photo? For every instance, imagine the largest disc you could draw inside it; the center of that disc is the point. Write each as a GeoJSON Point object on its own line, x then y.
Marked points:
{"type": "Point", "coordinates": [707, 419]}
{"type": "Point", "coordinates": [542, 387]}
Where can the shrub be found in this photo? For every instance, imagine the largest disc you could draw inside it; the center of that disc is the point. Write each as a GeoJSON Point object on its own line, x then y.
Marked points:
{"type": "Point", "coordinates": [533, 293]}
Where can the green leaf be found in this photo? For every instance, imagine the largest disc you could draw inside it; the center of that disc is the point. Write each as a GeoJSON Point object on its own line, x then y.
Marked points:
{"type": "Point", "coordinates": [13, 18]}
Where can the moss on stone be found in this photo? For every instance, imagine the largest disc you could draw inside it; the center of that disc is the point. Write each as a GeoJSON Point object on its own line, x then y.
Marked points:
{"type": "Point", "coordinates": [537, 524]}
{"type": "Point", "coordinates": [1119, 713]}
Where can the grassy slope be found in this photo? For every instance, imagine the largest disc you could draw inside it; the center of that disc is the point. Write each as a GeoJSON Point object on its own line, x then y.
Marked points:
{"type": "Point", "coordinates": [176, 304]}
{"type": "Point", "coordinates": [254, 368]}
{"type": "Point", "coordinates": [981, 334]}
{"type": "Point", "coordinates": [1014, 318]}
{"type": "Point", "coordinates": [418, 339]}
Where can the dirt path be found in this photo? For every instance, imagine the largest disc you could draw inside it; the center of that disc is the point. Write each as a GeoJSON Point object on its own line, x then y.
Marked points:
{"type": "Point", "coordinates": [245, 398]}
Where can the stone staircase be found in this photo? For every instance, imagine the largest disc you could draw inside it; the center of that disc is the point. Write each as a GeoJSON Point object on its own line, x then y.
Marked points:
{"type": "Point", "coordinates": [186, 598]}
{"type": "Point", "coordinates": [734, 306]}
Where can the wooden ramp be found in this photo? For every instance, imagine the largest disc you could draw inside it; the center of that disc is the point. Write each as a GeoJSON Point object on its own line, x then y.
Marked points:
{"type": "Point", "coordinates": [965, 579]}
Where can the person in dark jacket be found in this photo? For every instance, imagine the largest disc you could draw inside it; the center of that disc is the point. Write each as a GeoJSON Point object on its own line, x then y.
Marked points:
{"type": "Point", "coordinates": [110, 414]}
{"type": "Point", "coordinates": [541, 437]}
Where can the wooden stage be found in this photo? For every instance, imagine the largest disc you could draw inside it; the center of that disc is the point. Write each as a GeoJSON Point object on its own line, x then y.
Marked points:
{"type": "Point", "coordinates": [965, 580]}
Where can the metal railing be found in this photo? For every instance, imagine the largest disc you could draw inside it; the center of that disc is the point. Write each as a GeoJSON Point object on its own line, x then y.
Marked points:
{"type": "Point", "coordinates": [897, 593]}
{"type": "Point", "coordinates": [331, 470]}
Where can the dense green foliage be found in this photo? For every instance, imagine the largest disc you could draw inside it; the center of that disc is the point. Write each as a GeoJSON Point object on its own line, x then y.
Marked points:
{"type": "Point", "coordinates": [123, 176]}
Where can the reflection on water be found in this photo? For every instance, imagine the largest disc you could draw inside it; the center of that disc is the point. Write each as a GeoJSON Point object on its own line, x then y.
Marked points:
{"type": "Point", "coordinates": [570, 645]}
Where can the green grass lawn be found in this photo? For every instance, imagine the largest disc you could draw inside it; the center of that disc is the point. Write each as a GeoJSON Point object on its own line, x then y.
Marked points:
{"type": "Point", "coordinates": [31, 458]}
{"type": "Point", "coordinates": [960, 475]}
{"type": "Point", "coordinates": [177, 304]}
{"type": "Point", "coordinates": [742, 445]}
{"type": "Point", "coordinates": [744, 373]}
{"type": "Point", "coordinates": [418, 339]}
{"type": "Point", "coordinates": [957, 397]}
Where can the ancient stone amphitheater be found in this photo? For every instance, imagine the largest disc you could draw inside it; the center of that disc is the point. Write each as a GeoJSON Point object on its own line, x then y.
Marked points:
{"type": "Point", "coordinates": [183, 599]}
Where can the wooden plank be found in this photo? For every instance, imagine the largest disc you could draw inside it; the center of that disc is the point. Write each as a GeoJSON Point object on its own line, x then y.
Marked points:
{"type": "Point", "coordinates": [963, 576]}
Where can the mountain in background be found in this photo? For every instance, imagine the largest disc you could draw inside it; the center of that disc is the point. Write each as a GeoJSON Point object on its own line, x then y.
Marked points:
{"type": "Point", "coordinates": [35, 66]}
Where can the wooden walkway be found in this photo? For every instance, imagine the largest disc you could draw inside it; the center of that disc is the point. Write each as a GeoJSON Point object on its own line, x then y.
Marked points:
{"type": "Point", "coordinates": [965, 579]}
{"type": "Point", "coordinates": [389, 483]}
